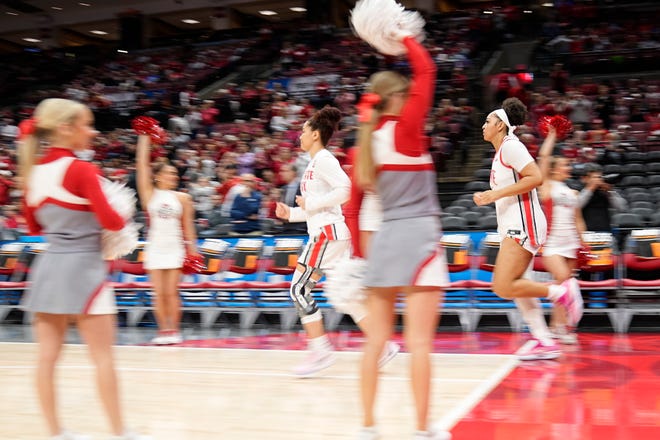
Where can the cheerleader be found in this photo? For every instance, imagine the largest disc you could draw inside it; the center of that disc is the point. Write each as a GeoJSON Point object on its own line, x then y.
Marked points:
{"type": "Point", "coordinates": [170, 237]}
{"type": "Point", "coordinates": [566, 226]}
{"type": "Point", "coordinates": [404, 255]}
{"type": "Point", "coordinates": [64, 201]}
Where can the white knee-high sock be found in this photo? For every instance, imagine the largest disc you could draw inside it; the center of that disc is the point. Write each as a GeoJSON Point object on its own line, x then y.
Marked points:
{"type": "Point", "coordinates": [321, 344]}
{"type": "Point", "coordinates": [532, 313]}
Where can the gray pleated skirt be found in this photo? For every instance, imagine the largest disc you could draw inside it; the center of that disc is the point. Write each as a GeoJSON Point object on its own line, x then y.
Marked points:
{"type": "Point", "coordinates": [407, 252]}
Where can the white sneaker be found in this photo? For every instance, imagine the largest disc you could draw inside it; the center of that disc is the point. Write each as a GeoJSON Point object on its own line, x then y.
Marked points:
{"type": "Point", "coordinates": [175, 338]}
{"type": "Point", "coordinates": [314, 362]}
{"type": "Point", "coordinates": [432, 435]}
{"type": "Point", "coordinates": [161, 339]}
{"type": "Point", "coordinates": [564, 336]}
{"type": "Point", "coordinates": [67, 435]}
{"type": "Point", "coordinates": [534, 350]}
{"type": "Point", "coordinates": [131, 436]}
{"type": "Point", "coordinates": [391, 350]}
{"type": "Point", "coordinates": [368, 433]}
{"type": "Point", "coordinates": [572, 301]}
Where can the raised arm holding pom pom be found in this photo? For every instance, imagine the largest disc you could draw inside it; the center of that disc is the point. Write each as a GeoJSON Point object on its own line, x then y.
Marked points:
{"type": "Point", "coordinates": [393, 159]}
{"type": "Point", "coordinates": [171, 234]}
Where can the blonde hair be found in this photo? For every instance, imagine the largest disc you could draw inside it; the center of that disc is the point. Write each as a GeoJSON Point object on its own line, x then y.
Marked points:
{"type": "Point", "coordinates": [49, 114]}
{"type": "Point", "coordinates": [384, 84]}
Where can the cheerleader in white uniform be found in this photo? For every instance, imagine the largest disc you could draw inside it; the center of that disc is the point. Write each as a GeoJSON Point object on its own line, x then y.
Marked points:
{"type": "Point", "coordinates": [565, 229]}
{"type": "Point", "coordinates": [171, 236]}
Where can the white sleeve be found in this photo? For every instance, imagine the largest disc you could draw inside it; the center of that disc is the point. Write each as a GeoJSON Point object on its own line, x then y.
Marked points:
{"type": "Point", "coordinates": [329, 170]}
{"type": "Point", "coordinates": [297, 214]}
{"type": "Point", "coordinates": [515, 155]}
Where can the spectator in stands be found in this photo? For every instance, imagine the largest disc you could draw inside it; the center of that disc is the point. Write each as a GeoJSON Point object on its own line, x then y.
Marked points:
{"type": "Point", "coordinates": [290, 190]}
{"type": "Point", "coordinates": [209, 115]}
{"type": "Point", "coordinates": [245, 207]}
{"type": "Point", "coordinates": [171, 236]}
{"type": "Point", "coordinates": [565, 227]}
{"type": "Point", "coordinates": [597, 199]}
{"type": "Point", "coordinates": [604, 105]}
{"type": "Point", "coordinates": [580, 108]}
{"type": "Point", "coordinates": [324, 188]}
{"type": "Point", "coordinates": [201, 192]}
{"type": "Point", "coordinates": [6, 183]}
{"type": "Point", "coordinates": [404, 256]}
{"type": "Point", "coordinates": [559, 78]}
{"type": "Point", "coordinates": [522, 228]}
{"type": "Point", "coordinates": [68, 280]}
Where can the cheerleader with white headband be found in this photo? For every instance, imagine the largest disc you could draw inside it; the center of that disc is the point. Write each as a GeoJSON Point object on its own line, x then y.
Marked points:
{"type": "Point", "coordinates": [522, 228]}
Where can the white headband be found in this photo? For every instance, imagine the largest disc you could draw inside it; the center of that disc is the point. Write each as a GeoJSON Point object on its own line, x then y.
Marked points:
{"type": "Point", "coordinates": [502, 115]}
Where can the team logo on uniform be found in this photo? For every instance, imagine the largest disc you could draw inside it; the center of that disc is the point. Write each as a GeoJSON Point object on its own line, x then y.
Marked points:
{"type": "Point", "coordinates": [166, 211]}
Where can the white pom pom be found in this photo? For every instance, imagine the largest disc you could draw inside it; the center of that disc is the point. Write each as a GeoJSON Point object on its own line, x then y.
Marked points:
{"type": "Point", "coordinates": [383, 23]}
{"type": "Point", "coordinates": [116, 244]}
{"type": "Point", "coordinates": [343, 284]}
{"type": "Point", "coordinates": [121, 198]}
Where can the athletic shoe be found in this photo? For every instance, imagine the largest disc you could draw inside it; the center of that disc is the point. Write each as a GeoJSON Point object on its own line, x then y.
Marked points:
{"type": "Point", "coordinates": [433, 434]}
{"type": "Point", "coordinates": [314, 362]}
{"type": "Point", "coordinates": [131, 436]}
{"type": "Point", "coordinates": [368, 433]}
{"type": "Point", "coordinates": [162, 338]}
{"type": "Point", "coordinates": [66, 435]}
{"type": "Point", "coordinates": [391, 350]}
{"type": "Point", "coordinates": [571, 299]}
{"type": "Point", "coordinates": [534, 350]}
{"type": "Point", "coordinates": [175, 337]}
{"type": "Point", "coordinates": [564, 336]}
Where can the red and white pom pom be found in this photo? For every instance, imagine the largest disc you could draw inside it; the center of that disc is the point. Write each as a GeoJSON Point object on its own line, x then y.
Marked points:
{"type": "Point", "coordinates": [192, 264]}
{"type": "Point", "coordinates": [149, 126]}
{"type": "Point", "coordinates": [561, 124]}
{"type": "Point", "coordinates": [382, 23]}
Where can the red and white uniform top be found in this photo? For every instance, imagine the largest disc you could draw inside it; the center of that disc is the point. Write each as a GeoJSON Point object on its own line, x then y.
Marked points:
{"type": "Point", "coordinates": [521, 213]}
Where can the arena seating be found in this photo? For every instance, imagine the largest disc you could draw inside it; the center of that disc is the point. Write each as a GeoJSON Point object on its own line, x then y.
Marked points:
{"type": "Point", "coordinates": [251, 276]}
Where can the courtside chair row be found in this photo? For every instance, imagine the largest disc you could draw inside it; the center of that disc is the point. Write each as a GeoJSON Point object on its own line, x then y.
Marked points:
{"type": "Point", "coordinates": [251, 277]}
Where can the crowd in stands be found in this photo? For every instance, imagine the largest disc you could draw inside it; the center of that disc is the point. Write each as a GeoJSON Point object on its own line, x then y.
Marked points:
{"type": "Point", "coordinates": [237, 149]}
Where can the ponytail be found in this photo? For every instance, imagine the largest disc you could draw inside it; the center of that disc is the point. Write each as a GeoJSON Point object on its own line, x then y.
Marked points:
{"type": "Point", "coordinates": [48, 115]}
{"type": "Point", "coordinates": [28, 148]}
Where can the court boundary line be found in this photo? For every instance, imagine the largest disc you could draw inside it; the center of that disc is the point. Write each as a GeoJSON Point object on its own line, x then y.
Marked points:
{"type": "Point", "coordinates": [458, 412]}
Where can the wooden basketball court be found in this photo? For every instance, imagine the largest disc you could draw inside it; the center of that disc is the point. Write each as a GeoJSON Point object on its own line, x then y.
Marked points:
{"type": "Point", "coordinates": [181, 393]}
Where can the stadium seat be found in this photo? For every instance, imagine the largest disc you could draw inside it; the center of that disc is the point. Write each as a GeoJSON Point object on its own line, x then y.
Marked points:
{"type": "Point", "coordinates": [488, 222]}
{"type": "Point", "coordinates": [640, 285]}
{"type": "Point", "coordinates": [454, 223]}
{"type": "Point", "coordinates": [455, 210]}
{"type": "Point", "coordinates": [625, 220]}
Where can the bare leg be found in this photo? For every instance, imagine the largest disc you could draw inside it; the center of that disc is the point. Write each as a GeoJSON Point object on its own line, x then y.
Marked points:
{"type": "Point", "coordinates": [172, 300]}
{"type": "Point", "coordinates": [50, 332]}
{"type": "Point", "coordinates": [160, 304]}
{"type": "Point", "coordinates": [98, 332]}
{"type": "Point", "coordinates": [380, 304]}
{"type": "Point", "coordinates": [510, 266]}
{"type": "Point", "coordinates": [421, 320]}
